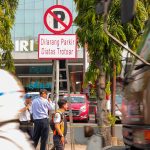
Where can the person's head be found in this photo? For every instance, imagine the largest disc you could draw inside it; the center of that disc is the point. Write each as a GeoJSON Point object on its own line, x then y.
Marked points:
{"type": "Point", "coordinates": [62, 103]}
{"type": "Point", "coordinates": [28, 99]}
{"type": "Point", "coordinates": [43, 93]}
{"type": "Point", "coordinates": [11, 96]}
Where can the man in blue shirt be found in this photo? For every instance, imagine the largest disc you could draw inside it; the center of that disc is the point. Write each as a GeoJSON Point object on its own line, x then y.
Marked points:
{"type": "Point", "coordinates": [40, 108]}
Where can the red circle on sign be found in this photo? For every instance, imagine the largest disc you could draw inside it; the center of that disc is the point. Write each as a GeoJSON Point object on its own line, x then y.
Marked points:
{"type": "Point", "coordinates": [49, 11]}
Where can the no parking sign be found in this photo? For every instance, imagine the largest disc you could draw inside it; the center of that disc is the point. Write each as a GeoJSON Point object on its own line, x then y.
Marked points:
{"type": "Point", "coordinates": [58, 19]}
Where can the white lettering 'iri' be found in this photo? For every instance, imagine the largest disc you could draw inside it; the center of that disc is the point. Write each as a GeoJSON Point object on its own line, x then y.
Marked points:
{"type": "Point", "coordinates": [24, 45]}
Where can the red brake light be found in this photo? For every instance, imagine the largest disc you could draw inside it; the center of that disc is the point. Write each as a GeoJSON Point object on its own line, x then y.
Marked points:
{"type": "Point", "coordinates": [147, 134]}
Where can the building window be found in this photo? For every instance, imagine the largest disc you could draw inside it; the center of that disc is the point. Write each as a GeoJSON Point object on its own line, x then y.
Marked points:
{"type": "Point", "coordinates": [29, 16]}
{"type": "Point", "coordinates": [19, 30]}
{"type": "Point", "coordinates": [29, 31]}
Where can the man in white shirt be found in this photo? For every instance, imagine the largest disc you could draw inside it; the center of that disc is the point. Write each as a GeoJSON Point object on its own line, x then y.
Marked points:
{"type": "Point", "coordinates": [26, 124]}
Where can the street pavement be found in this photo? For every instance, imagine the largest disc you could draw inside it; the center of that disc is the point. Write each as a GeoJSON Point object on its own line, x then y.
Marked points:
{"type": "Point", "coordinates": [83, 147]}
{"type": "Point", "coordinates": [68, 147]}
{"type": "Point", "coordinates": [115, 148]}
{"type": "Point", "coordinates": [118, 133]}
{"type": "Point", "coordinates": [76, 147]}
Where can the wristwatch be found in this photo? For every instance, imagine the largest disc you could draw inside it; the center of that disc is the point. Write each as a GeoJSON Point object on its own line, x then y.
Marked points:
{"type": "Point", "coordinates": [62, 135]}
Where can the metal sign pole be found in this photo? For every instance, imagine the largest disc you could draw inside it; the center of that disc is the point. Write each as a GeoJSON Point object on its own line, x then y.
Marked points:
{"type": "Point", "coordinates": [57, 80]}
{"type": "Point", "coordinates": [53, 81]}
{"type": "Point", "coordinates": [68, 89]}
{"type": "Point", "coordinates": [57, 73]}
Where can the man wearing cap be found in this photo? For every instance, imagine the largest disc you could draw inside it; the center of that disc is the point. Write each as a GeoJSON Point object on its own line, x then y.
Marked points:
{"type": "Point", "coordinates": [26, 124]}
{"type": "Point", "coordinates": [40, 108]}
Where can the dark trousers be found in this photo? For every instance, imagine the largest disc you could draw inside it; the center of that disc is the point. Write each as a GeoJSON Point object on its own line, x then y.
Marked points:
{"type": "Point", "coordinates": [57, 142]}
{"type": "Point", "coordinates": [41, 130]}
{"type": "Point", "coordinates": [27, 126]}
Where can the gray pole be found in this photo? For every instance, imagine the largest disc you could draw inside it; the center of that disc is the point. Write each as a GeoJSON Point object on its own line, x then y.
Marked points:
{"type": "Point", "coordinates": [68, 88]}
{"type": "Point", "coordinates": [57, 74]}
{"type": "Point", "coordinates": [57, 80]}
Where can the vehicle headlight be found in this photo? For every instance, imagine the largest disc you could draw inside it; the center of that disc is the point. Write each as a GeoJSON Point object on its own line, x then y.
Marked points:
{"type": "Point", "coordinates": [83, 108]}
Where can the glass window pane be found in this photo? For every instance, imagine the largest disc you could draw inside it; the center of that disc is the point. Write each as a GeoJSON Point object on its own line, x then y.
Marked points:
{"type": "Point", "coordinates": [29, 16]}
{"type": "Point", "coordinates": [74, 29]}
{"type": "Point", "coordinates": [29, 31]}
{"type": "Point", "coordinates": [68, 4]}
{"type": "Point", "coordinates": [21, 4]}
{"type": "Point", "coordinates": [47, 31]}
{"type": "Point", "coordinates": [19, 16]}
{"type": "Point", "coordinates": [38, 16]}
{"type": "Point", "coordinates": [74, 12]}
{"type": "Point", "coordinates": [48, 3]}
{"type": "Point", "coordinates": [39, 4]}
{"type": "Point", "coordinates": [19, 30]}
{"type": "Point", "coordinates": [34, 70]}
{"type": "Point", "coordinates": [38, 29]}
{"type": "Point", "coordinates": [29, 4]}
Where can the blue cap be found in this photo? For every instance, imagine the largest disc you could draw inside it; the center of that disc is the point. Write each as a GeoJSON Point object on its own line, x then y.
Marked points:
{"type": "Point", "coordinates": [27, 96]}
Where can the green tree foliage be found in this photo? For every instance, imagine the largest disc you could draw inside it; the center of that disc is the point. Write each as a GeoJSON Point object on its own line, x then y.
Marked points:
{"type": "Point", "coordinates": [102, 50]}
{"type": "Point", "coordinates": [147, 6]}
{"type": "Point", "coordinates": [7, 17]}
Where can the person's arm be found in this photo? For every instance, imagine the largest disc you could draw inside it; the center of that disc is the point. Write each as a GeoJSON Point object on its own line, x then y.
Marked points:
{"type": "Point", "coordinates": [51, 105]}
{"type": "Point", "coordinates": [24, 108]}
{"type": "Point", "coordinates": [57, 127]}
{"type": "Point", "coordinates": [57, 120]}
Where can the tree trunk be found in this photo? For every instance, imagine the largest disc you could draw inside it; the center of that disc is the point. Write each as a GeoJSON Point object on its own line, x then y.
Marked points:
{"type": "Point", "coordinates": [102, 113]}
{"type": "Point", "coordinates": [113, 98]}
{"type": "Point", "coordinates": [73, 82]}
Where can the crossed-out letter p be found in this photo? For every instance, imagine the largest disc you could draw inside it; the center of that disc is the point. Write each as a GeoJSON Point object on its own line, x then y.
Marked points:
{"type": "Point", "coordinates": [60, 15]}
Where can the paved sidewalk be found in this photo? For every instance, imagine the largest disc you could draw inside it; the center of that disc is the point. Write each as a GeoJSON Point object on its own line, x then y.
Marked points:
{"type": "Point", "coordinates": [76, 146]}
{"type": "Point", "coordinates": [83, 147]}
{"type": "Point", "coordinates": [68, 147]}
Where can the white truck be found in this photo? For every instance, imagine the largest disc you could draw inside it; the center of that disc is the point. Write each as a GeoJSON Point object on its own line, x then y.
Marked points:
{"type": "Point", "coordinates": [136, 101]}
